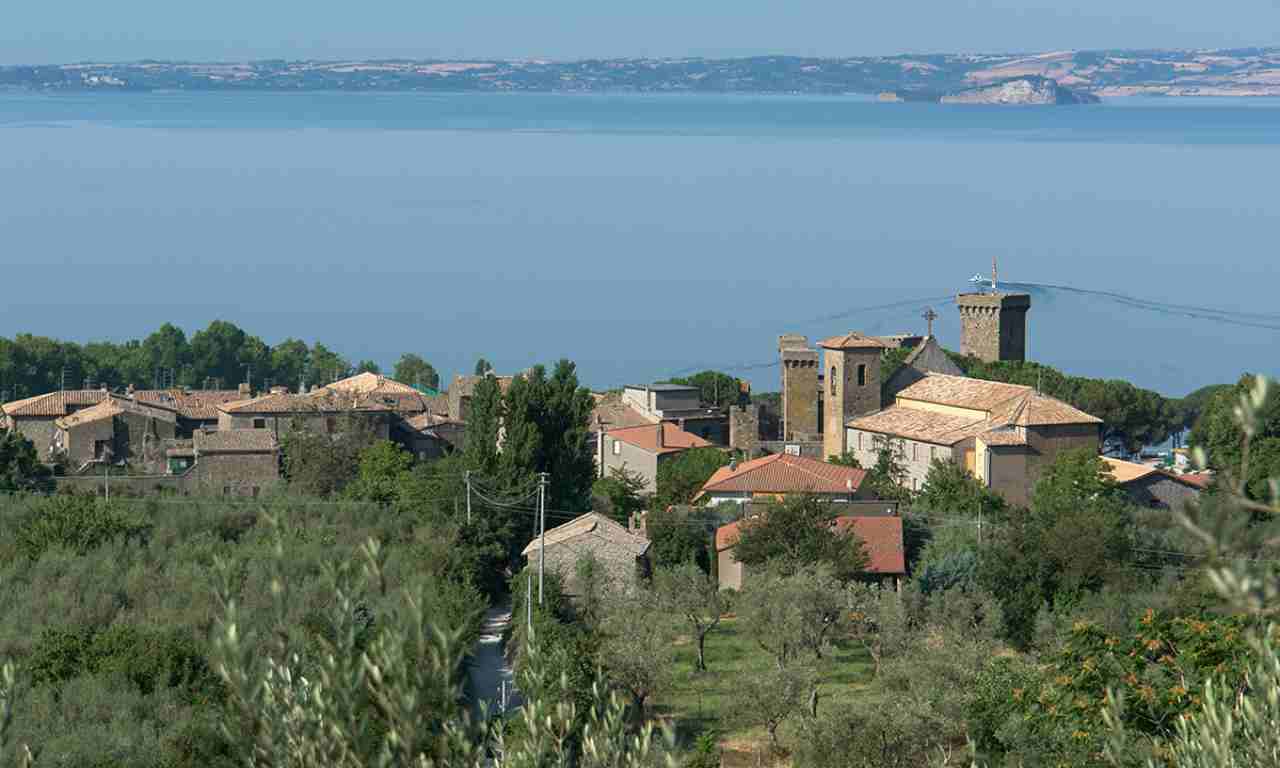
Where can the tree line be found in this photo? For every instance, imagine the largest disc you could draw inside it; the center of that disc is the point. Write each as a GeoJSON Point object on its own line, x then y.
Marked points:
{"type": "Point", "coordinates": [220, 356]}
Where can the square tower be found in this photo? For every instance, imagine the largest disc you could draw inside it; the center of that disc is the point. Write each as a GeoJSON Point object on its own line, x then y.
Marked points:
{"type": "Point", "coordinates": [993, 326]}
{"type": "Point", "coordinates": [852, 386]}
{"type": "Point", "coordinates": [799, 387]}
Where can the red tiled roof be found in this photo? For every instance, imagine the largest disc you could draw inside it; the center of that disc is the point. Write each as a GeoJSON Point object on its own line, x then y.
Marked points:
{"type": "Point", "coordinates": [53, 404]}
{"type": "Point", "coordinates": [852, 340]}
{"type": "Point", "coordinates": [1200, 480]}
{"type": "Point", "coordinates": [783, 473]}
{"type": "Point", "coordinates": [593, 523]}
{"type": "Point", "coordinates": [424, 421]}
{"type": "Point", "coordinates": [201, 404]}
{"type": "Point", "coordinates": [645, 438]}
{"type": "Point", "coordinates": [320, 401]}
{"type": "Point", "coordinates": [881, 537]}
{"type": "Point", "coordinates": [114, 406]}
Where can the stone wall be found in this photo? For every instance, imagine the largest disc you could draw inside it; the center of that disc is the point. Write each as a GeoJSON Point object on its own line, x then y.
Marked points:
{"type": "Point", "coordinates": [631, 458]}
{"type": "Point", "coordinates": [1159, 491]}
{"type": "Point", "coordinates": [623, 568]}
{"type": "Point", "coordinates": [233, 474]}
{"type": "Point", "coordinates": [39, 431]}
{"type": "Point", "coordinates": [994, 326]}
{"type": "Point", "coordinates": [318, 423]}
{"type": "Point", "coordinates": [916, 456]}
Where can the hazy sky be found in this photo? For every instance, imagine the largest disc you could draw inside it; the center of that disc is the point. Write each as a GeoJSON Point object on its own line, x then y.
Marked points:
{"type": "Point", "coordinates": [48, 32]}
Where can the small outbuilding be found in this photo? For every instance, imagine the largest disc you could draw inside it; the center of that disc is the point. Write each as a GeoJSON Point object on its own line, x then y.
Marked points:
{"type": "Point", "coordinates": [1154, 487]}
{"type": "Point", "coordinates": [623, 554]}
{"type": "Point", "coordinates": [881, 536]}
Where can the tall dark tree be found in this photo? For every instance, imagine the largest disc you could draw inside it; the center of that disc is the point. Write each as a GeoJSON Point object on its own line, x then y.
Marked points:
{"type": "Point", "coordinates": [20, 467]}
{"type": "Point", "coordinates": [326, 366]}
{"type": "Point", "coordinates": [223, 352]}
{"type": "Point", "coordinates": [484, 418]}
{"type": "Point", "coordinates": [415, 371]}
{"type": "Point", "coordinates": [167, 349]}
{"type": "Point", "coordinates": [368, 366]}
{"type": "Point", "coordinates": [289, 361]}
{"type": "Point", "coordinates": [715, 388]}
{"type": "Point", "coordinates": [680, 478]}
{"type": "Point", "coordinates": [483, 367]}
{"type": "Point", "coordinates": [1218, 432]}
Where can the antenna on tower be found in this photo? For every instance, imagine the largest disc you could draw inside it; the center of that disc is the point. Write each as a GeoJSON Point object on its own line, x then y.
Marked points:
{"type": "Point", "coordinates": [993, 275]}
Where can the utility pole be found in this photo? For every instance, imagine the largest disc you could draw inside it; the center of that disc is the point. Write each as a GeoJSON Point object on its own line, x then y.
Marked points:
{"type": "Point", "coordinates": [468, 497]}
{"type": "Point", "coordinates": [542, 530]}
{"type": "Point", "coordinates": [106, 481]}
{"type": "Point", "coordinates": [528, 602]}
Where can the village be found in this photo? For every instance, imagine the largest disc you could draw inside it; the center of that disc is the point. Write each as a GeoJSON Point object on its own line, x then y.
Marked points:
{"type": "Point", "coordinates": [834, 403]}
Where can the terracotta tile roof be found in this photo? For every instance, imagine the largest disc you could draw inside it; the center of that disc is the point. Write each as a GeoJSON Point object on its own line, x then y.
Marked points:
{"type": "Point", "coordinates": [963, 392]}
{"type": "Point", "coordinates": [593, 524]}
{"type": "Point", "coordinates": [1201, 480]}
{"type": "Point", "coordinates": [852, 340]}
{"type": "Point", "coordinates": [1043, 410]}
{"type": "Point", "coordinates": [1004, 436]}
{"type": "Point", "coordinates": [921, 425]}
{"type": "Point", "coordinates": [1124, 472]}
{"type": "Point", "coordinates": [645, 438]}
{"type": "Point", "coordinates": [1127, 471]}
{"type": "Point", "coordinates": [881, 537]}
{"type": "Point", "coordinates": [235, 441]}
{"type": "Point", "coordinates": [319, 401]}
{"type": "Point", "coordinates": [783, 473]}
{"type": "Point", "coordinates": [53, 404]}
{"type": "Point", "coordinates": [882, 540]}
{"type": "Point", "coordinates": [200, 405]}
{"type": "Point", "coordinates": [614, 414]}
{"type": "Point", "coordinates": [424, 421]}
{"type": "Point", "coordinates": [115, 406]}
{"type": "Point", "coordinates": [372, 382]}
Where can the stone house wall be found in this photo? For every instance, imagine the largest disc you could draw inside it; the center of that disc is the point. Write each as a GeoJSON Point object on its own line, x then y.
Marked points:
{"type": "Point", "coordinates": [623, 567]}
{"type": "Point", "coordinates": [233, 474]}
{"type": "Point", "coordinates": [39, 431]}
{"type": "Point", "coordinates": [1159, 491]}
{"type": "Point", "coordinates": [852, 389]}
{"type": "Point", "coordinates": [916, 456]}
{"type": "Point", "coordinates": [993, 326]}
{"type": "Point", "coordinates": [628, 456]}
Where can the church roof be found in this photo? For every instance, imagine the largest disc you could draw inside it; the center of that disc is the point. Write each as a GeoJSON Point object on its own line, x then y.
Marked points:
{"type": "Point", "coordinates": [852, 340]}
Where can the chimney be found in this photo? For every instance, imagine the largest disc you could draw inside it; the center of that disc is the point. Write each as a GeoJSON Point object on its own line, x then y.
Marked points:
{"type": "Point", "coordinates": [279, 390]}
{"type": "Point", "coordinates": [661, 439]}
{"type": "Point", "coordinates": [129, 390]}
{"type": "Point", "coordinates": [733, 464]}
{"type": "Point", "coordinates": [245, 389]}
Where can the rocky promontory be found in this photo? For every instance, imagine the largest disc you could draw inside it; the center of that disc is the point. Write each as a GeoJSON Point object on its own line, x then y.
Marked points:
{"type": "Point", "coordinates": [1022, 90]}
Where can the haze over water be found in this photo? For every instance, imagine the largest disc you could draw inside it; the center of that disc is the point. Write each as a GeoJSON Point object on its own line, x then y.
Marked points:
{"type": "Point", "coordinates": [638, 235]}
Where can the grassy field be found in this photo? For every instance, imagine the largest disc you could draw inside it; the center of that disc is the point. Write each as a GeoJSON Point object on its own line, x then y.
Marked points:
{"type": "Point", "coordinates": [699, 700]}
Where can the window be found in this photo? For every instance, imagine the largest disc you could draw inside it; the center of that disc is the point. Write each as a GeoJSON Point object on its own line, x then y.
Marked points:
{"type": "Point", "coordinates": [914, 451]}
{"type": "Point", "coordinates": [831, 381]}
{"type": "Point", "coordinates": [259, 423]}
{"type": "Point", "coordinates": [862, 375]}
{"type": "Point", "coordinates": [254, 491]}
{"type": "Point", "coordinates": [933, 453]}
{"type": "Point", "coordinates": [617, 447]}
{"type": "Point", "coordinates": [330, 425]}
{"type": "Point", "coordinates": [226, 490]}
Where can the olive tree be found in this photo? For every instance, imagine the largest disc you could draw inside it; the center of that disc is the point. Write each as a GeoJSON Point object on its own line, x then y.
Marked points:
{"type": "Point", "coordinates": [687, 592]}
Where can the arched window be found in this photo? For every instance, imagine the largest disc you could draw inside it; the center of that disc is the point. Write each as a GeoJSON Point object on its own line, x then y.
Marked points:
{"type": "Point", "coordinates": [831, 381]}
{"type": "Point", "coordinates": [862, 375]}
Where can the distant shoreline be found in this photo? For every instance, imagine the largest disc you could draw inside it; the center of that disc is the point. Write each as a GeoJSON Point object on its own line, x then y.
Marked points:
{"type": "Point", "coordinates": [1238, 73]}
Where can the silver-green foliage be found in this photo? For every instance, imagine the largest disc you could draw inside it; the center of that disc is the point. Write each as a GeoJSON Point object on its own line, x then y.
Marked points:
{"type": "Point", "coordinates": [1232, 728]}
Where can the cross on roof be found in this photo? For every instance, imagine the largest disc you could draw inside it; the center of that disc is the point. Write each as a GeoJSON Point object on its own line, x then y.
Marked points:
{"type": "Point", "coordinates": [929, 316]}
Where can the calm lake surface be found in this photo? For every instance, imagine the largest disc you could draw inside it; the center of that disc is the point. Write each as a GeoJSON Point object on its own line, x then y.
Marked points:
{"type": "Point", "coordinates": [642, 235]}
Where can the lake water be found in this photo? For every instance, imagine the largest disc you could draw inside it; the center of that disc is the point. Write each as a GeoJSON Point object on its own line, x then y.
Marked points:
{"type": "Point", "coordinates": [642, 235]}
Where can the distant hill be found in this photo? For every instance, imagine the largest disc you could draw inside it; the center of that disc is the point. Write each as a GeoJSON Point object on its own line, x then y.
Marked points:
{"type": "Point", "coordinates": [1241, 72]}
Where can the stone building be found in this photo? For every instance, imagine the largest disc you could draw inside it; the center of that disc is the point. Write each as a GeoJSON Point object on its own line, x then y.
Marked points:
{"type": "Point", "coordinates": [238, 462]}
{"type": "Point", "coordinates": [196, 409]}
{"type": "Point", "coordinates": [116, 431]}
{"type": "Point", "coordinates": [323, 411]}
{"type": "Point", "coordinates": [641, 450]}
{"type": "Point", "coordinates": [431, 435]}
{"type": "Point", "coordinates": [993, 326]}
{"type": "Point", "coordinates": [680, 405]}
{"type": "Point", "coordinates": [1154, 487]}
{"type": "Point", "coordinates": [1004, 434]}
{"type": "Point", "coordinates": [881, 536]}
{"type": "Point", "coordinates": [400, 398]}
{"type": "Point", "coordinates": [463, 389]}
{"type": "Point", "coordinates": [852, 386]}
{"type": "Point", "coordinates": [34, 417]}
{"type": "Point", "coordinates": [623, 555]}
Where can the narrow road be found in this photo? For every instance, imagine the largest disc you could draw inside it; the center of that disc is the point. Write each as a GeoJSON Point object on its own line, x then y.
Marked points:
{"type": "Point", "coordinates": [489, 672]}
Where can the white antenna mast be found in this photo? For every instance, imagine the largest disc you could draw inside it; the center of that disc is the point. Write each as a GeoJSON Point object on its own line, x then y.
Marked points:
{"type": "Point", "coordinates": [993, 275]}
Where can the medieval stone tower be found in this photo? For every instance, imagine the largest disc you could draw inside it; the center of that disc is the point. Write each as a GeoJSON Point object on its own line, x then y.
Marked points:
{"type": "Point", "coordinates": [800, 418]}
{"type": "Point", "coordinates": [993, 326]}
{"type": "Point", "coordinates": [852, 386]}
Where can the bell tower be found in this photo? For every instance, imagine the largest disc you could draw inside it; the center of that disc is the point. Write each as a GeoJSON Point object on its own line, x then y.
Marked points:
{"type": "Point", "coordinates": [852, 385]}
{"type": "Point", "coordinates": [993, 326]}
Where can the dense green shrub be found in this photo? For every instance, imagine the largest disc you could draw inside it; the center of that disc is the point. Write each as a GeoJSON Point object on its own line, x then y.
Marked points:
{"type": "Point", "coordinates": [81, 523]}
